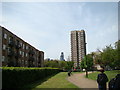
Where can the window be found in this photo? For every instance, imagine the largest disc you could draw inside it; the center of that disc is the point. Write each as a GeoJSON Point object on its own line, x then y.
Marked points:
{"type": "Point", "coordinates": [26, 62]}
{"type": "Point", "coordinates": [81, 33]}
{"type": "Point", "coordinates": [17, 42]}
{"type": "Point", "coordinates": [26, 54]}
{"type": "Point", "coordinates": [23, 61]}
{"type": "Point", "coordinates": [34, 52]}
{"type": "Point", "coordinates": [3, 58]}
{"type": "Point", "coordinates": [23, 54]}
{"type": "Point", "coordinates": [4, 46]}
{"type": "Point", "coordinates": [33, 63]}
{"type": "Point", "coordinates": [8, 49]}
{"type": "Point", "coordinates": [23, 46]}
{"type": "Point", "coordinates": [20, 52]}
{"type": "Point", "coordinates": [9, 39]}
{"type": "Point", "coordinates": [5, 36]}
{"type": "Point", "coordinates": [26, 47]}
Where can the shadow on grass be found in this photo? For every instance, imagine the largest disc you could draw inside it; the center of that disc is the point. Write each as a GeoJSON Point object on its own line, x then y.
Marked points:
{"type": "Point", "coordinates": [36, 83]}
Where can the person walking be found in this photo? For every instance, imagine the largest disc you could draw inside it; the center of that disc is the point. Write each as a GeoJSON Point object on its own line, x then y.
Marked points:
{"type": "Point", "coordinates": [69, 72]}
{"type": "Point", "coordinates": [102, 79]}
{"type": "Point", "coordinates": [114, 83]}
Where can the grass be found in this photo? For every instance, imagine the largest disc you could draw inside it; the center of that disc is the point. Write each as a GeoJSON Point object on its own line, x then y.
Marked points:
{"type": "Point", "coordinates": [57, 81]}
{"type": "Point", "coordinates": [110, 74]}
{"type": "Point", "coordinates": [38, 82]}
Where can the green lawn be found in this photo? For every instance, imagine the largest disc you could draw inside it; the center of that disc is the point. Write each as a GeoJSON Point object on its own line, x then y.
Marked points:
{"type": "Point", "coordinates": [110, 74]}
{"type": "Point", "coordinates": [57, 81]}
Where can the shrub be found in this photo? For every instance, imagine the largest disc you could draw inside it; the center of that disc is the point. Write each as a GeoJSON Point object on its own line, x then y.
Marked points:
{"type": "Point", "coordinates": [17, 77]}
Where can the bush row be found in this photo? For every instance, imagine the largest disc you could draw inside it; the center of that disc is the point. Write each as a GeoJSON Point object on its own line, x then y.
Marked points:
{"type": "Point", "coordinates": [17, 77]}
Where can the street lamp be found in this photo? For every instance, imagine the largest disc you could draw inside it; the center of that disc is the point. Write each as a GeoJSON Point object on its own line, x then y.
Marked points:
{"type": "Point", "coordinates": [86, 63]}
{"type": "Point", "coordinates": [86, 67]}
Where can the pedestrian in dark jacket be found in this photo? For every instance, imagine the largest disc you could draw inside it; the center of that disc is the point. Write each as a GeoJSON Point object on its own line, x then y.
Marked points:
{"type": "Point", "coordinates": [102, 79]}
{"type": "Point", "coordinates": [69, 73]}
{"type": "Point", "coordinates": [114, 83]}
{"type": "Point", "coordinates": [117, 83]}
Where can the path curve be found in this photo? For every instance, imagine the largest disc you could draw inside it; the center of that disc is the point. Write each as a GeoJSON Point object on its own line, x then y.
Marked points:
{"type": "Point", "coordinates": [82, 82]}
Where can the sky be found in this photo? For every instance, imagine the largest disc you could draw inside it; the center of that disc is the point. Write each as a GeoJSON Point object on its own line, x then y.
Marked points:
{"type": "Point", "coordinates": [47, 25]}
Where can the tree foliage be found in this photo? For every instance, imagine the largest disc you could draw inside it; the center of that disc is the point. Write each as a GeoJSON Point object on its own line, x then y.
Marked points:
{"type": "Point", "coordinates": [63, 65]}
{"type": "Point", "coordinates": [110, 56]}
{"type": "Point", "coordinates": [87, 62]}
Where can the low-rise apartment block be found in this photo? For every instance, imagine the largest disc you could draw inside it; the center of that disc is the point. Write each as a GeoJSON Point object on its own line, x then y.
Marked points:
{"type": "Point", "coordinates": [18, 53]}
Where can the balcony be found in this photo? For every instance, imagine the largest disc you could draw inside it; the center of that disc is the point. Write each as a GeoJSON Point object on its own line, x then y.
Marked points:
{"type": "Point", "coordinates": [31, 58]}
{"type": "Point", "coordinates": [18, 46]}
{"type": "Point", "coordinates": [11, 43]}
{"type": "Point", "coordinates": [10, 53]}
{"type": "Point", "coordinates": [39, 61]}
{"type": "Point", "coordinates": [31, 52]}
{"type": "Point", "coordinates": [17, 55]}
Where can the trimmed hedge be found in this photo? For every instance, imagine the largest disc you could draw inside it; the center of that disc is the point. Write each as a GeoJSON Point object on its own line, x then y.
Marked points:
{"type": "Point", "coordinates": [17, 77]}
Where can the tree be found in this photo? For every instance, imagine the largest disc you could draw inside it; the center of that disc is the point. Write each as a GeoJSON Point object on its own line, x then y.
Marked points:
{"type": "Point", "coordinates": [110, 57]}
{"type": "Point", "coordinates": [67, 65]}
{"type": "Point", "coordinates": [98, 59]}
{"type": "Point", "coordinates": [87, 62]}
{"type": "Point", "coordinates": [117, 47]}
{"type": "Point", "coordinates": [62, 64]}
{"type": "Point", "coordinates": [83, 63]}
{"type": "Point", "coordinates": [51, 63]}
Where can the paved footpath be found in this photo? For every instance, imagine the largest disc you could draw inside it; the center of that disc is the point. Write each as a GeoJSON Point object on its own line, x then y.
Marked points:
{"type": "Point", "coordinates": [82, 82]}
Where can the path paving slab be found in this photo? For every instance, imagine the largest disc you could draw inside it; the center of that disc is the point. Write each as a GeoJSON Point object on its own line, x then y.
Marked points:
{"type": "Point", "coordinates": [82, 82]}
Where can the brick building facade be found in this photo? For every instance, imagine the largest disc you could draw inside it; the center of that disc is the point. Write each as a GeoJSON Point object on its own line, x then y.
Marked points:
{"type": "Point", "coordinates": [18, 53]}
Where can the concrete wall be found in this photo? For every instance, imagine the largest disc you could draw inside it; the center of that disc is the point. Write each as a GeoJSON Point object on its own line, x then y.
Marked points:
{"type": "Point", "coordinates": [0, 46]}
{"type": "Point", "coordinates": [0, 57]}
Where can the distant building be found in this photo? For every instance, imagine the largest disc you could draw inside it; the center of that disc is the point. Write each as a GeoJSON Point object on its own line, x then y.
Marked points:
{"type": "Point", "coordinates": [68, 59]}
{"type": "Point", "coordinates": [48, 59]}
{"type": "Point", "coordinates": [78, 47]}
{"type": "Point", "coordinates": [17, 53]}
{"type": "Point", "coordinates": [62, 56]}
{"type": "Point", "coordinates": [94, 55]}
